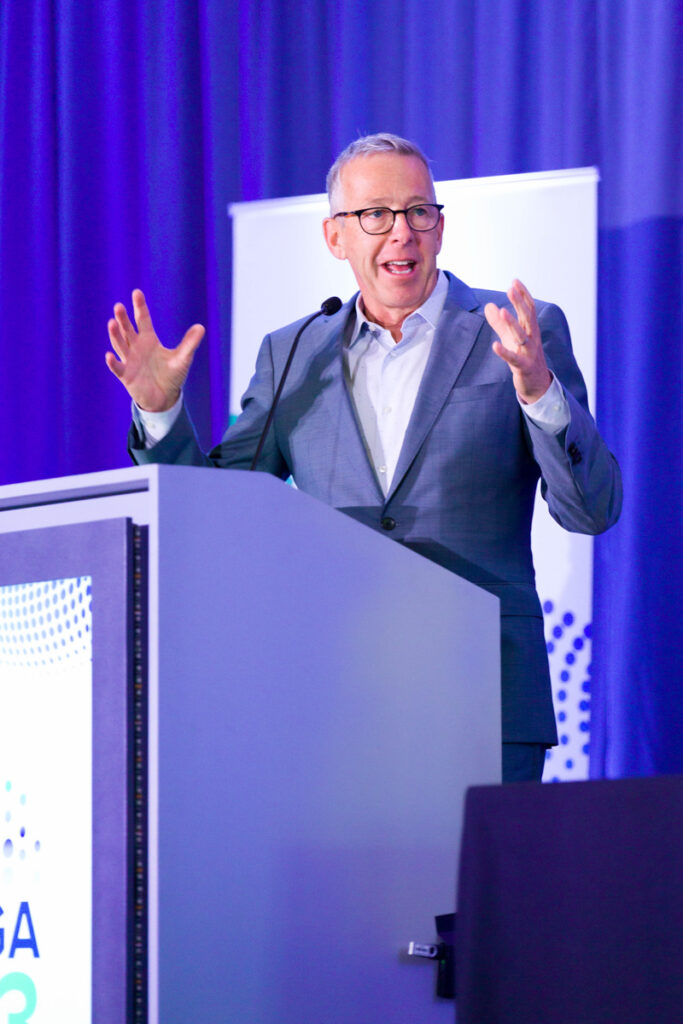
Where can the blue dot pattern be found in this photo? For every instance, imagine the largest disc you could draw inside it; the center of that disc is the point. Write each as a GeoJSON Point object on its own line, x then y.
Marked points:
{"type": "Point", "coordinates": [45, 623]}
{"type": "Point", "coordinates": [18, 839]}
{"type": "Point", "coordinates": [568, 642]}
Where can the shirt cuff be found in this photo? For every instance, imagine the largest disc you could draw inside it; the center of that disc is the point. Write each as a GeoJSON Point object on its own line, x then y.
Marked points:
{"type": "Point", "coordinates": [154, 426]}
{"type": "Point", "coordinates": [551, 412]}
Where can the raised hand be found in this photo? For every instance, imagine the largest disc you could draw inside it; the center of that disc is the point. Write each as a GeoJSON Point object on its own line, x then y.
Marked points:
{"type": "Point", "coordinates": [152, 375]}
{"type": "Point", "coordinates": [519, 343]}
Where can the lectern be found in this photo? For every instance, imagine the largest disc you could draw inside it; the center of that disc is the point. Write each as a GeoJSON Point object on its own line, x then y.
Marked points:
{"type": "Point", "coordinates": [237, 730]}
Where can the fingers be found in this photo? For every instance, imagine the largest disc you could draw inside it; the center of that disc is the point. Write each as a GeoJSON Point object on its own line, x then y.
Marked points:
{"type": "Point", "coordinates": [519, 343]}
{"type": "Point", "coordinates": [143, 319]}
{"type": "Point", "coordinates": [117, 338]}
{"type": "Point", "coordinates": [524, 307]}
{"type": "Point", "coordinates": [505, 325]}
{"type": "Point", "coordinates": [116, 367]}
{"type": "Point", "coordinates": [492, 314]}
{"type": "Point", "coordinates": [495, 317]}
{"type": "Point", "coordinates": [190, 342]}
{"type": "Point", "coordinates": [141, 356]}
{"type": "Point", "coordinates": [512, 358]}
{"type": "Point", "coordinates": [516, 334]}
{"type": "Point", "coordinates": [141, 312]}
{"type": "Point", "coordinates": [517, 331]}
{"type": "Point", "coordinates": [121, 317]}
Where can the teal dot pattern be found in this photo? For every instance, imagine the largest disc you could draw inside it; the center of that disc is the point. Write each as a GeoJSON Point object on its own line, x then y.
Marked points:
{"type": "Point", "coordinates": [46, 623]}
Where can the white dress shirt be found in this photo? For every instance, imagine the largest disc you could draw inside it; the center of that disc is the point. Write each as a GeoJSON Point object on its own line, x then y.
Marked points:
{"type": "Point", "coordinates": [384, 377]}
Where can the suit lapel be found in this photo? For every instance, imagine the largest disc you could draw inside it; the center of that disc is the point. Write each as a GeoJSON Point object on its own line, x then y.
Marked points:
{"type": "Point", "coordinates": [335, 332]}
{"type": "Point", "coordinates": [454, 339]}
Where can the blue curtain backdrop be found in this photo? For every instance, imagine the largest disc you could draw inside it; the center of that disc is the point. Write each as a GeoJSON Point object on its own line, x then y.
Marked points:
{"type": "Point", "coordinates": [126, 129]}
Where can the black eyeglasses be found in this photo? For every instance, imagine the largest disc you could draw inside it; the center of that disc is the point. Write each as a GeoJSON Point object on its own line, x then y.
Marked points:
{"type": "Point", "coordinates": [379, 220]}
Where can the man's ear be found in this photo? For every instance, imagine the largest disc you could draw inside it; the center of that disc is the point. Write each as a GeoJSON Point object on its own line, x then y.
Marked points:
{"type": "Point", "coordinates": [333, 236]}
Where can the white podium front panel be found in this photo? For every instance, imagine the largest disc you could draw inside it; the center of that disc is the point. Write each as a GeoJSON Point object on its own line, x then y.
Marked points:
{"type": "Point", "coordinates": [319, 699]}
{"type": "Point", "coordinates": [65, 659]}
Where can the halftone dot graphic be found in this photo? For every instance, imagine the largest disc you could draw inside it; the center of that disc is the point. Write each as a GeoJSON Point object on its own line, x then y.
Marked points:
{"type": "Point", "coordinates": [20, 838]}
{"type": "Point", "coordinates": [568, 643]}
{"type": "Point", "coordinates": [39, 626]}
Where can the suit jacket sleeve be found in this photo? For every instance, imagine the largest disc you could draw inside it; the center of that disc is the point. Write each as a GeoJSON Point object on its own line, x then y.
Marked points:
{"type": "Point", "coordinates": [580, 478]}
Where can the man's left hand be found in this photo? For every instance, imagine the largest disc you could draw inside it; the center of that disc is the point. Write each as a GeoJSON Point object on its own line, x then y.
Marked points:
{"type": "Point", "coordinates": [519, 343]}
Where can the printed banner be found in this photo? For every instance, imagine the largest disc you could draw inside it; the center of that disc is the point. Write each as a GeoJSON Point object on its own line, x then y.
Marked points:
{"type": "Point", "coordinates": [45, 802]}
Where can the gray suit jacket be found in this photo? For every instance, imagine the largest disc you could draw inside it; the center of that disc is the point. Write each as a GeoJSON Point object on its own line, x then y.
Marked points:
{"type": "Point", "coordinates": [463, 490]}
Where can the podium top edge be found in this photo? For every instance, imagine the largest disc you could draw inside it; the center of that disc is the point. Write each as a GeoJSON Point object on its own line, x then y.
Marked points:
{"type": "Point", "coordinates": [107, 484]}
{"type": "Point", "coordinates": [57, 490]}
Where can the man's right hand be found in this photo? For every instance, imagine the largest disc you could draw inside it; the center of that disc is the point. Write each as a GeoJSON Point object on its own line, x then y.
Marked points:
{"type": "Point", "coordinates": [152, 375]}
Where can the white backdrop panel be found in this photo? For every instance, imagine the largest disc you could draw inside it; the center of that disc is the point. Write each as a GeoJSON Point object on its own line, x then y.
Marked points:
{"type": "Point", "coordinates": [541, 228]}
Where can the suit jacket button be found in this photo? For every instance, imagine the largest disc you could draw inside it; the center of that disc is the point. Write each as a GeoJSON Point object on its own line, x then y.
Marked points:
{"type": "Point", "coordinates": [388, 523]}
{"type": "Point", "coordinates": [574, 454]}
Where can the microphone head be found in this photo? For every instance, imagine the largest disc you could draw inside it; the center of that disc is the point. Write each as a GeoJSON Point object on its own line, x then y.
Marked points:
{"type": "Point", "coordinates": [332, 305]}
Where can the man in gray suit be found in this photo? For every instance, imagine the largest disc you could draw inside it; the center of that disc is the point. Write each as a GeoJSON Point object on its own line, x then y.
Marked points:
{"type": "Point", "coordinates": [423, 408]}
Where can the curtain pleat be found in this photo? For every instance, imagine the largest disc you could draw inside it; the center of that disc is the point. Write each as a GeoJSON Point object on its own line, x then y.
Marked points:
{"type": "Point", "coordinates": [126, 130]}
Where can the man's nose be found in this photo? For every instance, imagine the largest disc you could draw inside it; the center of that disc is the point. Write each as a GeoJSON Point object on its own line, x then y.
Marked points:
{"type": "Point", "coordinates": [401, 228]}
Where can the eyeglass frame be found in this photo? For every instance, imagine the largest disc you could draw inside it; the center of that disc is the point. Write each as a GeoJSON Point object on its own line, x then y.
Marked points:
{"type": "Point", "coordinates": [416, 206]}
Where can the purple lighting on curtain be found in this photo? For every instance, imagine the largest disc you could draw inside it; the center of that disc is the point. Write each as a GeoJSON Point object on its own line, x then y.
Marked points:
{"type": "Point", "coordinates": [125, 131]}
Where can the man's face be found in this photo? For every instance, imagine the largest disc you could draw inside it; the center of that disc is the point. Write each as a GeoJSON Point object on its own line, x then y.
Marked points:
{"type": "Point", "coordinates": [396, 272]}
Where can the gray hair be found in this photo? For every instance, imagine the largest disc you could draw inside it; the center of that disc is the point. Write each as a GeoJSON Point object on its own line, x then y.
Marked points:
{"type": "Point", "coordinates": [383, 142]}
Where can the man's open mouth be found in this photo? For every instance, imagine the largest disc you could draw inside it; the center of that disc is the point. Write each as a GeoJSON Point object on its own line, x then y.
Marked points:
{"type": "Point", "coordinates": [399, 267]}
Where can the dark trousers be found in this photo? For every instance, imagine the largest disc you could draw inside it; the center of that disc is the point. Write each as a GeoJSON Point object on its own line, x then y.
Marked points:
{"type": "Point", "coordinates": [523, 762]}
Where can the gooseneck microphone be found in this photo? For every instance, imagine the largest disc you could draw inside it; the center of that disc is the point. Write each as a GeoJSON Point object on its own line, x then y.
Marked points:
{"type": "Point", "coordinates": [328, 308]}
